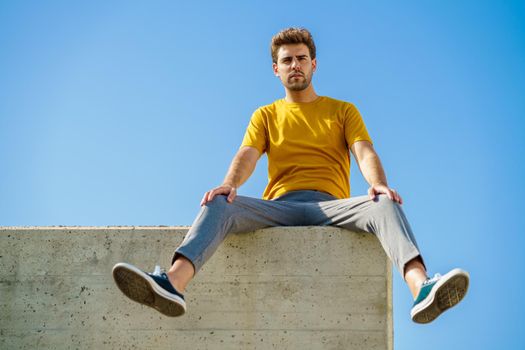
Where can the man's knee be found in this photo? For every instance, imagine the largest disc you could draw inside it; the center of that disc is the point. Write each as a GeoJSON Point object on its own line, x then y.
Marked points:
{"type": "Point", "coordinates": [384, 204]}
{"type": "Point", "coordinates": [220, 204]}
{"type": "Point", "coordinates": [218, 201]}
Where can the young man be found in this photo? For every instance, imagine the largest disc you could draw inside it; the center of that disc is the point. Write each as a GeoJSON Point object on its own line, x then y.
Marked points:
{"type": "Point", "coordinates": [307, 139]}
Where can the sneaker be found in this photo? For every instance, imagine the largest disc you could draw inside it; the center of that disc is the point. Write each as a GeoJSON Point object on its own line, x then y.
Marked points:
{"type": "Point", "coordinates": [439, 294]}
{"type": "Point", "coordinates": [151, 289]}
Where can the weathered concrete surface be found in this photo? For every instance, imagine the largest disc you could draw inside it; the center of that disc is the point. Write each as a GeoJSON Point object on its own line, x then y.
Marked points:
{"type": "Point", "coordinates": [279, 288]}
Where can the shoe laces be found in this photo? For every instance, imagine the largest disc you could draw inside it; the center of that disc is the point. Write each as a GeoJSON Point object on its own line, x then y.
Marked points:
{"type": "Point", "coordinates": [436, 277]}
{"type": "Point", "coordinates": [158, 270]}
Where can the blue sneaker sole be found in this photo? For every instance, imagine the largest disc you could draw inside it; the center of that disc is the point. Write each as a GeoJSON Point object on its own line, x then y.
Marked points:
{"type": "Point", "coordinates": [140, 287]}
{"type": "Point", "coordinates": [447, 292]}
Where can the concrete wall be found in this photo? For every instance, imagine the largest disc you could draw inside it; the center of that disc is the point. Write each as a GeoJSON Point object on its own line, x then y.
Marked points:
{"type": "Point", "coordinates": [278, 288]}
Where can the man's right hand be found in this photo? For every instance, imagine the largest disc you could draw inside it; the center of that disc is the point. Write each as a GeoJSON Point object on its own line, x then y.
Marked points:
{"type": "Point", "coordinates": [222, 189]}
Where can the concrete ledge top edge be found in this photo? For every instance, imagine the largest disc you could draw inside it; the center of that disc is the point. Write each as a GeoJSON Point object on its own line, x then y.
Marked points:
{"type": "Point", "coordinates": [130, 227]}
{"type": "Point", "coordinates": [157, 228]}
{"type": "Point", "coordinates": [122, 227]}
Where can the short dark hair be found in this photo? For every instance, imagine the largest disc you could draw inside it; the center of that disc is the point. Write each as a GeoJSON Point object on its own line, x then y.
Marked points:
{"type": "Point", "coordinates": [292, 35]}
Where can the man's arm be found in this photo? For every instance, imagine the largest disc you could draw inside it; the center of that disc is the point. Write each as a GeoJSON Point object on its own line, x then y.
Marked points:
{"type": "Point", "coordinates": [372, 170]}
{"type": "Point", "coordinates": [241, 168]}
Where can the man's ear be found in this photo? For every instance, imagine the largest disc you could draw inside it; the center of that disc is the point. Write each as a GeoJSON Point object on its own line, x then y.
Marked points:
{"type": "Point", "coordinates": [275, 69]}
{"type": "Point", "coordinates": [314, 64]}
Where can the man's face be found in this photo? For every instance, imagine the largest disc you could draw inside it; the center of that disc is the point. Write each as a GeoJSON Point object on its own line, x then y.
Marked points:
{"type": "Point", "coordinates": [294, 66]}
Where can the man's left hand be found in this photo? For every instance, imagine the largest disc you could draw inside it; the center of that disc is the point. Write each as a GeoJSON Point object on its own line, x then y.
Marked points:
{"type": "Point", "coordinates": [374, 190]}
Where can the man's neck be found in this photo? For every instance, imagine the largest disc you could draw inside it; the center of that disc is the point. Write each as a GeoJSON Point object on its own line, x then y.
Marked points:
{"type": "Point", "coordinates": [306, 95]}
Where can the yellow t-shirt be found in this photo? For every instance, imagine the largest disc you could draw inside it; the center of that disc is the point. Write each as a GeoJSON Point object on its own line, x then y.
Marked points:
{"type": "Point", "coordinates": [307, 144]}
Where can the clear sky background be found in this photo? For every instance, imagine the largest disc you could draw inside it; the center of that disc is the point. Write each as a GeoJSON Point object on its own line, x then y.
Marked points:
{"type": "Point", "coordinates": [126, 112]}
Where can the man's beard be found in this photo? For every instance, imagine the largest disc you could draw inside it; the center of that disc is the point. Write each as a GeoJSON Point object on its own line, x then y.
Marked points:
{"type": "Point", "coordinates": [299, 85]}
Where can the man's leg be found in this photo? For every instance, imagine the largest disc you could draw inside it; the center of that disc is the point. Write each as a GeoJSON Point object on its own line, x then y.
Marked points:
{"type": "Point", "coordinates": [386, 220]}
{"type": "Point", "coordinates": [181, 273]}
{"type": "Point", "coordinates": [415, 274]}
{"type": "Point", "coordinates": [163, 291]}
{"type": "Point", "coordinates": [380, 216]}
{"type": "Point", "coordinates": [218, 218]}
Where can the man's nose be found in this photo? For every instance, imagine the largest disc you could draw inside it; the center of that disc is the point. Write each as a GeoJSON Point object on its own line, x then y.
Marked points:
{"type": "Point", "coordinates": [295, 64]}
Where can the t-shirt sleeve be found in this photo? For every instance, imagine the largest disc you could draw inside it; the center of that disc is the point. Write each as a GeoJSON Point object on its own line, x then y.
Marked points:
{"type": "Point", "coordinates": [256, 135]}
{"type": "Point", "coordinates": [355, 129]}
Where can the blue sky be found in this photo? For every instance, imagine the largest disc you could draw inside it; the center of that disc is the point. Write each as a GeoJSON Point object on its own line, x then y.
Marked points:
{"type": "Point", "coordinates": [126, 112]}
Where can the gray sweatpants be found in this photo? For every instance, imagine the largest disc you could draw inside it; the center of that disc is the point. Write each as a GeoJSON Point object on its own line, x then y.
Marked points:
{"type": "Point", "coordinates": [381, 216]}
